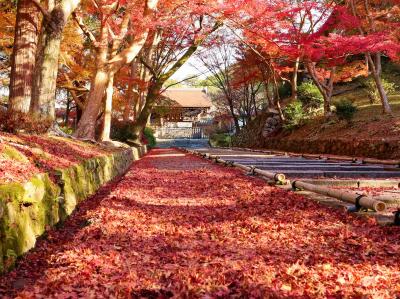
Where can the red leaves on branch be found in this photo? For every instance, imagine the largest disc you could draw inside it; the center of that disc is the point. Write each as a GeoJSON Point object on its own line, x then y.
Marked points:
{"type": "Point", "coordinates": [179, 226]}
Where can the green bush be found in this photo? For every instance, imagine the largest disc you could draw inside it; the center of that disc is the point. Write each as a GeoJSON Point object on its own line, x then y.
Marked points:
{"type": "Point", "coordinates": [121, 130]}
{"type": "Point", "coordinates": [149, 136]}
{"type": "Point", "coordinates": [67, 130]}
{"type": "Point", "coordinates": [372, 90]}
{"type": "Point", "coordinates": [284, 90]}
{"type": "Point", "coordinates": [310, 95]}
{"type": "Point", "coordinates": [345, 110]}
{"type": "Point", "coordinates": [294, 115]}
{"type": "Point", "coordinates": [221, 140]}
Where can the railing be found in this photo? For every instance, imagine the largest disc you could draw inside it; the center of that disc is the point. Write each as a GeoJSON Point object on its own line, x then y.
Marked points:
{"type": "Point", "coordinates": [176, 133]}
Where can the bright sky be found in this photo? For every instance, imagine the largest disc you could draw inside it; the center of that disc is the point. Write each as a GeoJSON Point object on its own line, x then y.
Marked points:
{"type": "Point", "coordinates": [190, 68]}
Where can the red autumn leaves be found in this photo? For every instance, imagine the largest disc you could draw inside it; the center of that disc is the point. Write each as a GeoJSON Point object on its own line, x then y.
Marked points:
{"type": "Point", "coordinates": [179, 226]}
{"type": "Point", "coordinates": [43, 154]}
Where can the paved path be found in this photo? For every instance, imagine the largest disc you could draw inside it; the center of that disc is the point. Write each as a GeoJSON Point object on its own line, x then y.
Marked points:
{"type": "Point", "coordinates": [178, 226]}
{"type": "Point", "coordinates": [187, 143]}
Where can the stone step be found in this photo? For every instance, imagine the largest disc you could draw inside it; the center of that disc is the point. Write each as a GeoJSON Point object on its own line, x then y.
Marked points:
{"type": "Point", "coordinates": [283, 168]}
{"type": "Point", "coordinates": [270, 159]}
{"type": "Point", "coordinates": [340, 174]}
{"type": "Point", "coordinates": [283, 163]}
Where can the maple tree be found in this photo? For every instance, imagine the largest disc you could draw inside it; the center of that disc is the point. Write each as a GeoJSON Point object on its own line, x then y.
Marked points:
{"type": "Point", "coordinates": [111, 45]}
{"type": "Point", "coordinates": [178, 40]}
{"type": "Point", "coordinates": [319, 34]}
{"type": "Point", "coordinates": [108, 64]}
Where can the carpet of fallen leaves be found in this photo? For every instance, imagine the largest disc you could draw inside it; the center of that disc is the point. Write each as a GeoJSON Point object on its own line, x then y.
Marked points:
{"type": "Point", "coordinates": [43, 153]}
{"type": "Point", "coordinates": [178, 226]}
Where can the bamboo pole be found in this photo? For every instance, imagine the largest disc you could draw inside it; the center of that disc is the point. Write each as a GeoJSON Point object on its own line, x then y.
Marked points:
{"type": "Point", "coordinates": [384, 162]}
{"type": "Point", "coordinates": [346, 196]}
{"type": "Point", "coordinates": [278, 177]}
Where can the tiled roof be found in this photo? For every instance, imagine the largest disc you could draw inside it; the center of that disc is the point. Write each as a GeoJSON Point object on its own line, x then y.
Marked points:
{"type": "Point", "coordinates": [188, 97]}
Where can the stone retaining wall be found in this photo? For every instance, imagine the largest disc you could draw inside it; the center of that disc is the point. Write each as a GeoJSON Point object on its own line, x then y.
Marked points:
{"type": "Point", "coordinates": [28, 209]}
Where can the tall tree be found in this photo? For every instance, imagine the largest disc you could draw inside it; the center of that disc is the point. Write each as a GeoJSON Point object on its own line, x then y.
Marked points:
{"type": "Point", "coordinates": [177, 45]}
{"type": "Point", "coordinates": [109, 65]}
{"type": "Point", "coordinates": [374, 14]}
{"type": "Point", "coordinates": [24, 56]}
{"type": "Point", "coordinates": [55, 18]}
{"type": "Point", "coordinates": [218, 63]}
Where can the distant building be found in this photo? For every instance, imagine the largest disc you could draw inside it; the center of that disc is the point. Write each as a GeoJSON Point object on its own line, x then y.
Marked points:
{"type": "Point", "coordinates": [182, 113]}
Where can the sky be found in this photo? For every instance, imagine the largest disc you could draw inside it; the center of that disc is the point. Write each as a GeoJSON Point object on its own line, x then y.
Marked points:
{"type": "Point", "coordinates": [192, 67]}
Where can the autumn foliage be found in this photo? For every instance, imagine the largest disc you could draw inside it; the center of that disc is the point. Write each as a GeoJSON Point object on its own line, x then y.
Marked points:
{"type": "Point", "coordinates": [178, 226]}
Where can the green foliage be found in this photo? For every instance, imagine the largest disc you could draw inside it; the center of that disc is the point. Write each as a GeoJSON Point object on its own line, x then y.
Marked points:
{"type": "Point", "coordinates": [372, 90]}
{"type": "Point", "coordinates": [284, 90]}
{"type": "Point", "coordinates": [149, 136]}
{"type": "Point", "coordinates": [310, 95]}
{"type": "Point", "coordinates": [345, 110]}
{"type": "Point", "coordinates": [67, 130]}
{"type": "Point", "coordinates": [294, 115]}
{"type": "Point", "coordinates": [121, 131]}
{"type": "Point", "coordinates": [222, 140]}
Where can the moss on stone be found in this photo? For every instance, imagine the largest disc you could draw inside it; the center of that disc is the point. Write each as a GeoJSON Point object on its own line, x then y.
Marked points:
{"type": "Point", "coordinates": [26, 210]}
{"type": "Point", "coordinates": [11, 191]}
{"type": "Point", "coordinates": [11, 153]}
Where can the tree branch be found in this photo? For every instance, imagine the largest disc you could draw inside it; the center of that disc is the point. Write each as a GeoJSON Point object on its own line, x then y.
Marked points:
{"type": "Point", "coordinates": [43, 10]}
{"type": "Point", "coordinates": [84, 29]}
{"type": "Point", "coordinates": [176, 83]}
{"type": "Point", "coordinates": [189, 52]}
{"type": "Point", "coordinates": [148, 66]}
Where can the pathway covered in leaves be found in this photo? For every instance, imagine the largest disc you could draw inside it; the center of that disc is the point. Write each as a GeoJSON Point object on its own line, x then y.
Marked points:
{"type": "Point", "coordinates": [178, 226]}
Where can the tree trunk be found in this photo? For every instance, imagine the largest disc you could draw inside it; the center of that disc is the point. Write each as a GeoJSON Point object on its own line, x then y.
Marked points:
{"type": "Point", "coordinates": [23, 57]}
{"type": "Point", "coordinates": [378, 63]}
{"type": "Point", "coordinates": [87, 124]}
{"type": "Point", "coordinates": [294, 79]}
{"type": "Point", "coordinates": [105, 134]}
{"type": "Point", "coordinates": [379, 85]}
{"type": "Point", "coordinates": [325, 89]}
{"type": "Point", "coordinates": [67, 111]}
{"type": "Point", "coordinates": [278, 101]}
{"type": "Point", "coordinates": [130, 93]}
{"type": "Point", "coordinates": [45, 79]}
{"type": "Point", "coordinates": [86, 127]}
{"type": "Point", "coordinates": [235, 119]}
{"type": "Point", "coordinates": [141, 121]}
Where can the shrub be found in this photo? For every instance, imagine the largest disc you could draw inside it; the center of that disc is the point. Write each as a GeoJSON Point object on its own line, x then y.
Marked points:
{"type": "Point", "coordinates": [284, 90]}
{"type": "Point", "coordinates": [121, 130]}
{"type": "Point", "coordinates": [310, 95]}
{"type": "Point", "coordinates": [345, 110]}
{"type": "Point", "coordinates": [372, 90]}
{"type": "Point", "coordinates": [149, 136]}
{"type": "Point", "coordinates": [221, 140]}
{"type": "Point", "coordinates": [294, 115]}
{"type": "Point", "coordinates": [67, 130]}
